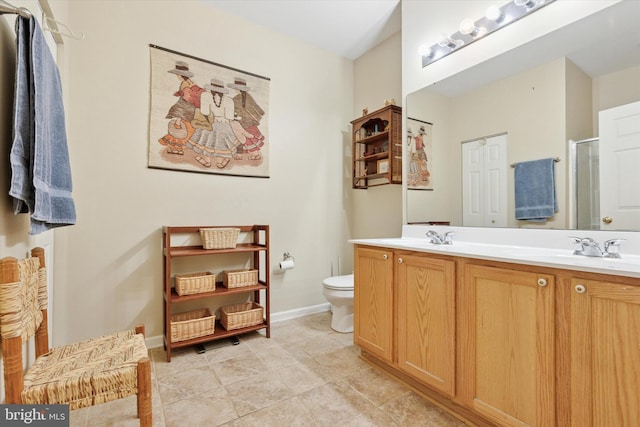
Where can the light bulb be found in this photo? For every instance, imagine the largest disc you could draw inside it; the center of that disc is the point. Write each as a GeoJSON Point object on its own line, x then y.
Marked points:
{"type": "Point", "coordinates": [467, 26]}
{"type": "Point", "coordinates": [424, 50]}
{"type": "Point", "coordinates": [494, 13]}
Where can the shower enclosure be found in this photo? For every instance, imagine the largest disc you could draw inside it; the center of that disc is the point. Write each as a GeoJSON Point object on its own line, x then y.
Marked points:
{"type": "Point", "coordinates": [585, 188]}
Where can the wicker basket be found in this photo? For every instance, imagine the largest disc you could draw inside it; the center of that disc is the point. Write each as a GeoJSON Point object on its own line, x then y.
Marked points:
{"type": "Point", "coordinates": [219, 238]}
{"type": "Point", "coordinates": [192, 324]}
{"type": "Point", "coordinates": [239, 278]}
{"type": "Point", "coordinates": [195, 283]}
{"type": "Point", "coordinates": [241, 315]}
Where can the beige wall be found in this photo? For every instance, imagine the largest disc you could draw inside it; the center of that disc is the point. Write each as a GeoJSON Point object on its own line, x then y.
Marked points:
{"type": "Point", "coordinates": [531, 107]}
{"type": "Point", "coordinates": [377, 212]}
{"type": "Point", "coordinates": [615, 89]}
{"type": "Point", "coordinates": [579, 105]}
{"type": "Point", "coordinates": [441, 204]}
{"type": "Point", "coordinates": [108, 270]}
{"type": "Point", "coordinates": [541, 109]}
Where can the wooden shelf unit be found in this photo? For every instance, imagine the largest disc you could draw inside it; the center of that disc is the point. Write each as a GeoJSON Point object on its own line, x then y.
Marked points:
{"type": "Point", "coordinates": [377, 148]}
{"type": "Point", "coordinates": [257, 248]}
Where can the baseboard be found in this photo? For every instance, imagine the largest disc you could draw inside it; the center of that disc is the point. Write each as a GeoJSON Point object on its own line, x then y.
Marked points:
{"type": "Point", "coordinates": [299, 312]}
{"type": "Point", "coordinates": [154, 342]}
{"type": "Point", "coordinates": [157, 341]}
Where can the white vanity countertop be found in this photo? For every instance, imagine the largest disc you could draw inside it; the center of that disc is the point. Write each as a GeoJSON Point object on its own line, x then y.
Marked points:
{"type": "Point", "coordinates": [628, 265]}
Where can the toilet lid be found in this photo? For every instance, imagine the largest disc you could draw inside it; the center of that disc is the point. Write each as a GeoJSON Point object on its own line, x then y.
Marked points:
{"type": "Point", "coordinates": [344, 283]}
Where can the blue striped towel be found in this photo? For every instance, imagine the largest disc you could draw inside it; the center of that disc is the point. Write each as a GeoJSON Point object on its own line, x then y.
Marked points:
{"type": "Point", "coordinates": [40, 169]}
{"type": "Point", "coordinates": [535, 189]}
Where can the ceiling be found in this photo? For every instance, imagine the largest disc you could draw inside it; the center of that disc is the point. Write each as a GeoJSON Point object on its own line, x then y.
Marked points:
{"type": "Point", "coordinates": [345, 27]}
{"type": "Point", "coordinates": [598, 44]}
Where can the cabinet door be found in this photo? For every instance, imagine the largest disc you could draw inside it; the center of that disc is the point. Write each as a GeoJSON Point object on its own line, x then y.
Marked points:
{"type": "Point", "coordinates": [507, 345]}
{"type": "Point", "coordinates": [426, 320]}
{"type": "Point", "coordinates": [373, 301]}
{"type": "Point", "coordinates": [605, 349]}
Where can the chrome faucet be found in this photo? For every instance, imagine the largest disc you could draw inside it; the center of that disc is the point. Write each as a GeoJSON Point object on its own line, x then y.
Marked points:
{"type": "Point", "coordinates": [440, 239]}
{"type": "Point", "coordinates": [588, 247]}
{"type": "Point", "coordinates": [612, 248]}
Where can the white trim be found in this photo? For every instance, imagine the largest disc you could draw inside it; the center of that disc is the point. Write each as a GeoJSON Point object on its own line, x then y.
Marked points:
{"type": "Point", "coordinates": [154, 342]}
{"type": "Point", "coordinates": [157, 341]}
{"type": "Point", "coordinates": [299, 312]}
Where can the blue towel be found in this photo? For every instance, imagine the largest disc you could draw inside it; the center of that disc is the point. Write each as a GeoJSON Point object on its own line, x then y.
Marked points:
{"type": "Point", "coordinates": [41, 174]}
{"type": "Point", "coordinates": [535, 189]}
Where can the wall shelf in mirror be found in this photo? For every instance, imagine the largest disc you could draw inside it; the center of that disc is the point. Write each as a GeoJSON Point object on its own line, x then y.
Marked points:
{"type": "Point", "coordinates": [377, 148]}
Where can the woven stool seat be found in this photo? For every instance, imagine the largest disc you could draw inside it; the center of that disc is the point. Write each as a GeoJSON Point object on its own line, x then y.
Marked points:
{"type": "Point", "coordinates": [86, 373]}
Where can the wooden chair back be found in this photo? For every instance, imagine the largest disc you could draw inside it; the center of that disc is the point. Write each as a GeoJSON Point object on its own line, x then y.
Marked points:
{"type": "Point", "coordinates": [23, 314]}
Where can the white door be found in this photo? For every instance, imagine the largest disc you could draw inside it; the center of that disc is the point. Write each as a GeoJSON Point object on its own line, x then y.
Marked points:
{"type": "Point", "coordinates": [472, 183]}
{"type": "Point", "coordinates": [620, 167]}
{"type": "Point", "coordinates": [484, 182]}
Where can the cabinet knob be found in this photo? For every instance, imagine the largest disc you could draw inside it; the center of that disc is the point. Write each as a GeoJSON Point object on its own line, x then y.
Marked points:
{"type": "Point", "coordinates": [400, 260]}
{"type": "Point", "coordinates": [542, 282]}
{"type": "Point", "coordinates": [385, 256]}
{"type": "Point", "coordinates": [607, 220]}
{"type": "Point", "coordinates": [580, 289]}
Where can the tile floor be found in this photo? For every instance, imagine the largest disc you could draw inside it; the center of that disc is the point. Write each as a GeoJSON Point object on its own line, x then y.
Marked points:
{"type": "Point", "coordinates": [304, 375]}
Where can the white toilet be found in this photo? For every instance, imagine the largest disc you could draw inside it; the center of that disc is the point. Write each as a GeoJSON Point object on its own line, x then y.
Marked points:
{"type": "Point", "coordinates": [338, 290]}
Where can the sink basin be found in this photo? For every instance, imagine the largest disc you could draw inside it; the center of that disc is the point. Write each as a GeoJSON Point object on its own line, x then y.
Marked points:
{"type": "Point", "coordinates": [630, 262]}
{"type": "Point", "coordinates": [554, 258]}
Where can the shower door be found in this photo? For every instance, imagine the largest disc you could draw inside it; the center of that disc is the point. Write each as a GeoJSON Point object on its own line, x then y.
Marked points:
{"type": "Point", "coordinates": [586, 188]}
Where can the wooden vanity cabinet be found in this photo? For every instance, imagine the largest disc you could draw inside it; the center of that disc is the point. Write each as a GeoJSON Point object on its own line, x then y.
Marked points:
{"type": "Point", "coordinates": [405, 313]}
{"type": "Point", "coordinates": [373, 301]}
{"type": "Point", "coordinates": [500, 343]}
{"type": "Point", "coordinates": [507, 345]}
{"type": "Point", "coordinates": [425, 313]}
{"type": "Point", "coordinates": [605, 353]}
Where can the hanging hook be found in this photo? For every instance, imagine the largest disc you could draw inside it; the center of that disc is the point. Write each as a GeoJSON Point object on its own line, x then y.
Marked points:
{"type": "Point", "coordinates": [58, 26]}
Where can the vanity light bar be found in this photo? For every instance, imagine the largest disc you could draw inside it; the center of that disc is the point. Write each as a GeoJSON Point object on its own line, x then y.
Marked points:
{"type": "Point", "coordinates": [469, 32]}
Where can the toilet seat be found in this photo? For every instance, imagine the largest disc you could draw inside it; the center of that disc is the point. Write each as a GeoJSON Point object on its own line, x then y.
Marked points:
{"type": "Point", "coordinates": [339, 283]}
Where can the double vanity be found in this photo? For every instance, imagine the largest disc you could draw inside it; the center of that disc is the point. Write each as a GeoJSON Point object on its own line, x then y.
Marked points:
{"type": "Point", "coordinates": [504, 334]}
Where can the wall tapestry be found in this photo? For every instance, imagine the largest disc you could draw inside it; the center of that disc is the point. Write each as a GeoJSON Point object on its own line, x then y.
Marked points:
{"type": "Point", "coordinates": [420, 154]}
{"type": "Point", "coordinates": [207, 117]}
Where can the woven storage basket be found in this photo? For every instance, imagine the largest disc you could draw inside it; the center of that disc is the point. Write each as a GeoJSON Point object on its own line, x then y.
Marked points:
{"type": "Point", "coordinates": [192, 324]}
{"type": "Point", "coordinates": [239, 278]}
{"type": "Point", "coordinates": [195, 283]}
{"type": "Point", "coordinates": [241, 315]}
{"type": "Point", "coordinates": [219, 238]}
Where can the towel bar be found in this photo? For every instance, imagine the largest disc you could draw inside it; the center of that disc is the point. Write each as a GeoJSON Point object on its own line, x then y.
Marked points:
{"type": "Point", "coordinates": [557, 159]}
{"type": "Point", "coordinates": [7, 8]}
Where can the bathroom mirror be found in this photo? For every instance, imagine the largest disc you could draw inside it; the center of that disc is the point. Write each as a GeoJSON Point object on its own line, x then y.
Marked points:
{"type": "Point", "coordinates": [540, 95]}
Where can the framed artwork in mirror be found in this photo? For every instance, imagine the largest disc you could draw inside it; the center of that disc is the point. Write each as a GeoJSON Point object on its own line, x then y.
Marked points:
{"type": "Point", "coordinates": [419, 154]}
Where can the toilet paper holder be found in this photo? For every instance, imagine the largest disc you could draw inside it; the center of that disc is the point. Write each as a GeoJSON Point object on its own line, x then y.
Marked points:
{"type": "Point", "coordinates": [287, 256]}
{"type": "Point", "coordinates": [288, 261]}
